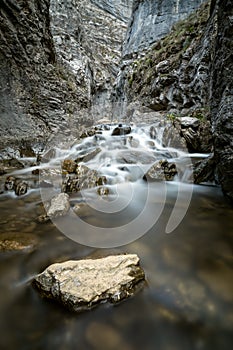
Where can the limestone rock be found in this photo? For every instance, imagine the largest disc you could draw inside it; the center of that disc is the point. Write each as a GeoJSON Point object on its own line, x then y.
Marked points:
{"type": "Point", "coordinates": [82, 284]}
{"type": "Point", "coordinates": [19, 186]}
{"type": "Point", "coordinates": [85, 178]}
{"type": "Point", "coordinates": [69, 165]}
{"type": "Point", "coordinates": [153, 19]}
{"type": "Point", "coordinates": [189, 122]}
{"type": "Point", "coordinates": [121, 130]}
{"type": "Point", "coordinates": [135, 157]}
{"type": "Point", "coordinates": [204, 170]}
{"type": "Point", "coordinates": [60, 205]}
{"type": "Point", "coordinates": [161, 171]}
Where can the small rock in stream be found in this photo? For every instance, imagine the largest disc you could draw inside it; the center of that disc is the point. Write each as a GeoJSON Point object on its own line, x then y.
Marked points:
{"type": "Point", "coordinates": [121, 130]}
{"type": "Point", "coordinates": [9, 183]}
{"type": "Point", "coordinates": [81, 284]}
{"type": "Point", "coordinates": [60, 205]}
{"type": "Point", "coordinates": [161, 171]}
{"type": "Point", "coordinates": [19, 186]}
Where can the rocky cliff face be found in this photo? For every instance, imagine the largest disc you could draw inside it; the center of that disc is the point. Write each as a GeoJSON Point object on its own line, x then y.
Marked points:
{"type": "Point", "coordinates": [88, 38]}
{"type": "Point", "coordinates": [153, 19]}
{"type": "Point", "coordinates": [58, 58]}
{"type": "Point", "coordinates": [173, 74]}
{"type": "Point", "coordinates": [222, 93]}
{"type": "Point", "coordinates": [120, 9]}
{"type": "Point", "coordinates": [188, 73]}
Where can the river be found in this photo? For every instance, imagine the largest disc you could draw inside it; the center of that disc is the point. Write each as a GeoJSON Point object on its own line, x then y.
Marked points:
{"type": "Point", "coordinates": [187, 300]}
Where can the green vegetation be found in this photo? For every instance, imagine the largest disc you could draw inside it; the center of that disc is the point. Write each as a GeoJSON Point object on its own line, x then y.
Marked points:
{"type": "Point", "coordinates": [172, 116]}
{"type": "Point", "coordinates": [184, 34]}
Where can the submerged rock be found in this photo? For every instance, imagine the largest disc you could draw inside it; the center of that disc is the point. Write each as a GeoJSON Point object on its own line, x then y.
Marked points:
{"type": "Point", "coordinates": [161, 171]}
{"type": "Point", "coordinates": [17, 241]}
{"type": "Point", "coordinates": [82, 284]}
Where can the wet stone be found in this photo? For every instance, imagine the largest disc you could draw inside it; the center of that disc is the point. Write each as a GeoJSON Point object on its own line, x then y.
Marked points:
{"type": "Point", "coordinates": [60, 205]}
{"type": "Point", "coordinates": [21, 188]}
{"type": "Point", "coordinates": [87, 155]}
{"type": "Point", "coordinates": [204, 170]}
{"type": "Point", "coordinates": [135, 157]}
{"type": "Point", "coordinates": [12, 163]}
{"type": "Point", "coordinates": [85, 178]}
{"type": "Point", "coordinates": [121, 130]}
{"type": "Point", "coordinates": [153, 133]}
{"type": "Point", "coordinates": [69, 165]}
{"type": "Point", "coordinates": [161, 171]}
{"type": "Point", "coordinates": [82, 284]}
{"type": "Point", "coordinates": [103, 191]}
{"type": "Point", "coordinates": [9, 183]}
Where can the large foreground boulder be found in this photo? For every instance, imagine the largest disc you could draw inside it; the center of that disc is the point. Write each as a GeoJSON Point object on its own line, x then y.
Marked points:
{"type": "Point", "coordinates": [82, 284]}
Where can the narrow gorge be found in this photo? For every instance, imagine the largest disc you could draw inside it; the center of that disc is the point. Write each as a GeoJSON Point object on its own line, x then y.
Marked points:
{"type": "Point", "coordinates": [116, 174]}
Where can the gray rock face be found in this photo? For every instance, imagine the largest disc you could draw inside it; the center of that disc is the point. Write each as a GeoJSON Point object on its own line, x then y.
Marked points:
{"type": "Point", "coordinates": [88, 36]}
{"type": "Point", "coordinates": [173, 75]}
{"type": "Point", "coordinates": [204, 170]}
{"type": "Point", "coordinates": [222, 94]}
{"type": "Point", "coordinates": [153, 19]}
{"type": "Point", "coordinates": [57, 58]}
{"type": "Point", "coordinates": [120, 9]}
{"type": "Point", "coordinates": [84, 283]}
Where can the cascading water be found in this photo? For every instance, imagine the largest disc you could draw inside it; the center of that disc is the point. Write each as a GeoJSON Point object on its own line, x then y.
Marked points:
{"type": "Point", "coordinates": [187, 272]}
{"type": "Point", "coordinates": [121, 158]}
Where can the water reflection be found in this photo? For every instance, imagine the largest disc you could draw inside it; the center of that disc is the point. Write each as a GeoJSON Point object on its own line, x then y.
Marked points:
{"type": "Point", "coordinates": [187, 303]}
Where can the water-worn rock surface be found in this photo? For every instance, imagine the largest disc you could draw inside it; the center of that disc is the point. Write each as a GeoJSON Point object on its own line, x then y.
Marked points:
{"type": "Point", "coordinates": [84, 283]}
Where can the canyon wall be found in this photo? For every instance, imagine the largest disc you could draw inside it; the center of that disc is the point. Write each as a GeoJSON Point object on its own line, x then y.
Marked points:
{"type": "Point", "coordinates": [153, 19]}
{"type": "Point", "coordinates": [222, 93]}
{"type": "Point", "coordinates": [58, 58]}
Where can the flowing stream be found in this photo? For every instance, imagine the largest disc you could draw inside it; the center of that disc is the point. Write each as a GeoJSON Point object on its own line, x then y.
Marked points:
{"type": "Point", "coordinates": [187, 302]}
